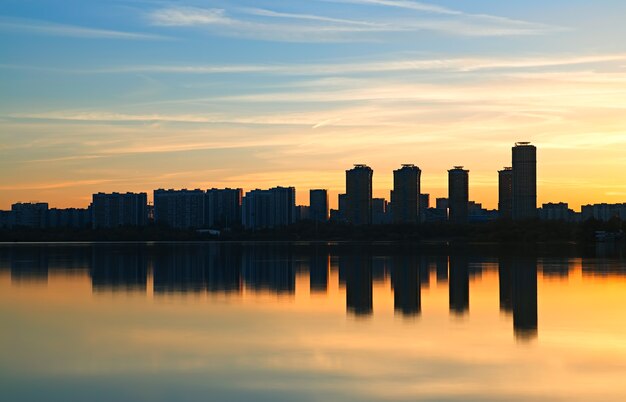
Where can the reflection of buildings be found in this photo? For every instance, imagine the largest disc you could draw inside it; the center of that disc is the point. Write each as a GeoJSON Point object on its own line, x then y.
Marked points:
{"type": "Point", "coordinates": [197, 268]}
{"type": "Point", "coordinates": [265, 267]}
{"type": "Point", "coordinates": [319, 263]}
{"type": "Point", "coordinates": [556, 267]}
{"type": "Point", "coordinates": [119, 268]}
{"type": "Point", "coordinates": [29, 264]}
{"type": "Point", "coordinates": [442, 268]}
{"type": "Point", "coordinates": [506, 289]}
{"type": "Point", "coordinates": [355, 270]}
{"type": "Point", "coordinates": [518, 293]}
{"type": "Point", "coordinates": [459, 284]}
{"type": "Point", "coordinates": [525, 298]}
{"type": "Point", "coordinates": [405, 281]}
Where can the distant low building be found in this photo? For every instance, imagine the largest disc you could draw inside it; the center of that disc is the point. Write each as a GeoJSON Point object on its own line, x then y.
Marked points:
{"type": "Point", "coordinates": [424, 204]}
{"type": "Point", "coordinates": [68, 218]}
{"type": "Point", "coordinates": [30, 214]}
{"type": "Point", "coordinates": [476, 213]}
{"type": "Point", "coordinates": [116, 209]}
{"type": "Point", "coordinates": [379, 211]}
{"type": "Point", "coordinates": [269, 208]}
{"type": "Point", "coordinates": [223, 207]}
{"type": "Point", "coordinates": [604, 212]}
{"type": "Point", "coordinates": [181, 209]}
{"type": "Point", "coordinates": [303, 213]}
{"type": "Point", "coordinates": [555, 212]}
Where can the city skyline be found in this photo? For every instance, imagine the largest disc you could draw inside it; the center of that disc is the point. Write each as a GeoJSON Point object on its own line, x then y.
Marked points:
{"type": "Point", "coordinates": [407, 182]}
{"type": "Point", "coordinates": [137, 95]}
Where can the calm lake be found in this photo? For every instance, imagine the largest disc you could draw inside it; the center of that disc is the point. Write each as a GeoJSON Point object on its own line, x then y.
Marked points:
{"type": "Point", "coordinates": [310, 322]}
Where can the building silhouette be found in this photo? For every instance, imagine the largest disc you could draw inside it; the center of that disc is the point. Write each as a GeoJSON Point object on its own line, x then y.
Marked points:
{"type": "Point", "coordinates": [115, 209]}
{"type": "Point", "coordinates": [505, 193]}
{"type": "Point", "coordinates": [30, 214]}
{"type": "Point", "coordinates": [271, 208]}
{"type": "Point", "coordinates": [68, 218]}
{"type": "Point", "coordinates": [318, 204]}
{"type": "Point", "coordinates": [458, 195]}
{"type": "Point", "coordinates": [181, 209]}
{"type": "Point", "coordinates": [423, 205]}
{"type": "Point", "coordinates": [223, 207]}
{"type": "Point", "coordinates": [406, 194]}
{"type": "Point", "coordinates": [359, 195]}
{"type": "Point", "coordinates": [524, 181]}
{"type": "Point", "coordinates": [379, 211]}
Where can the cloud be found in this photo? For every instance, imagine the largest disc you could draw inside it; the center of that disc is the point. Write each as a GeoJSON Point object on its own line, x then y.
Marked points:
{"type": "Point", "coordinates": [256, 23]}
{"type": "Point", "coordinates": [435, 9]}
{"type": "Point", "coordinates": [48, 28]}
{"type": "Point", "coordinates": [54, 185]}
{"type": "Point", "coordinates": [457, 64]}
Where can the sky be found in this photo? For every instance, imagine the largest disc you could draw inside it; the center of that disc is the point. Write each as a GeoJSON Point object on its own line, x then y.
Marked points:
{"type": "Point", "coordinates": [134, 95]}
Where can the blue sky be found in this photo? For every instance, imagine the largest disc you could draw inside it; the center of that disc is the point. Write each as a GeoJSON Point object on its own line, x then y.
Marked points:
{"type": "Point", "coordinates": [136, 95]}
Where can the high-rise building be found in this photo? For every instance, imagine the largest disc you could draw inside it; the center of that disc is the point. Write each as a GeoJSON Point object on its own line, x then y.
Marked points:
{"type": "Point", "coordinates": [269, 208]}
{"type": "Point", "coordinates": [359, 195]}
{"type": "Point", "coordinates": [318, 202]}
{"type": "Point", "coordinates": [524, 181]}
{"type": "Point", "coordinates": [182, 209]}
{"type": "Point", "coordinates": [458, 194]}
{"type": "Point", "coordinates": [505, 193]}
{"type": "Point", "coordinates": [406, 194]}
{"type": "Point", "coordinates": [223, 207]}
{"type": "Point", "coordinates": [115, 209]}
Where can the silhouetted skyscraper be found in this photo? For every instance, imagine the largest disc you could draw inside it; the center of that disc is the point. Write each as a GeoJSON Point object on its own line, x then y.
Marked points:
{"type": "Point", "coordinates": [505, 193]}
{"type": "Point", "coordinates": [524, 181]}
{"type": "Point", "coordinates": [458, 194]}
{"type": "Point", "coordinates": [318, 202]}
{"type": "Point", "coordinates": [359, 195]}
{"type": "Point", "coordinates": [405, 195]}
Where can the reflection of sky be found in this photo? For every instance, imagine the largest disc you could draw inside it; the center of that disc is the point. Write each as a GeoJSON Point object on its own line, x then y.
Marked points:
{"type": "Point", "coordinates": [136, 95]}
{"type": "Point", "coordinates": [61, 341]}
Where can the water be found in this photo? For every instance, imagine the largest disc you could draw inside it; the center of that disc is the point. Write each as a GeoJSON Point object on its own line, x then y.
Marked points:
{"type": "Point", "coordinates": [308, 322]}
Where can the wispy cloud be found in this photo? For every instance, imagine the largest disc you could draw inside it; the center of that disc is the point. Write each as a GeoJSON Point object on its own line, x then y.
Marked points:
{"type": "Point", "coordinates": [257, 23]}
{"type": "Point", "coordinates": [48, 28]}
{"type": "Point", "coordinates": [458, 64]}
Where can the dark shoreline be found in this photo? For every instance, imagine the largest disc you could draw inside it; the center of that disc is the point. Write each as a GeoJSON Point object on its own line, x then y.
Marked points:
{"type": "Point", "coordinates": [495, 233]}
